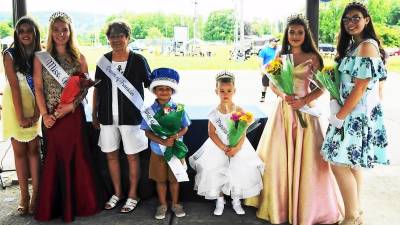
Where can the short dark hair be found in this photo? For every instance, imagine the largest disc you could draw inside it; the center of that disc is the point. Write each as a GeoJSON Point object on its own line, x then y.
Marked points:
{"type": "Point", "coordinates": [120, 26]}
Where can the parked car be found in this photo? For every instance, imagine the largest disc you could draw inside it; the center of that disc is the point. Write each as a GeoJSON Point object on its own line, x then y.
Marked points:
{"type": "Point", "coordinates": [396, 52]}
{"type": "Point", "coordinates": [137, 46]}
{"type": "Point", "coordinates": [327, 49]}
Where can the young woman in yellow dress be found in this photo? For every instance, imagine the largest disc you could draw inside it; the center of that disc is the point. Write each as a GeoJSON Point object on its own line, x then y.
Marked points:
{"type": "Point", "coordinates": [20, 113]}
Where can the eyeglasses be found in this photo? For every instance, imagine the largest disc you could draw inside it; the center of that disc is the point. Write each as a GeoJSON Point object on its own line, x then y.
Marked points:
{"type": "Point", "coordinates": [354, 19]}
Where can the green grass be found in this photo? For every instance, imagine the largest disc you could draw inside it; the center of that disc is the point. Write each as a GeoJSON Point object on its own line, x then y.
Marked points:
{"type": "Point", "coordinates": [218, 61]}
{"type": "Point", "coordinates": [393, 64]}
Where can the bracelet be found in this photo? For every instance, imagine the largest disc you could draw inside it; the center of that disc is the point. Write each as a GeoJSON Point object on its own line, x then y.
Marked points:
{"type": "Point", "coordinates": [177, 136]}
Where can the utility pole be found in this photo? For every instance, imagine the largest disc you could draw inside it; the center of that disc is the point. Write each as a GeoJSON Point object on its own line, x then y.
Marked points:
{"type": "Point", "coordinates": [19, 10]}
{"type": "Point", "coordinates": [241, 23]}
{"type": "Point", "coordinates": [195, 21]}
{"type": "Point", "coordinates": [312, 13]}
{"type": "Point", "coordinates": [239, 48]}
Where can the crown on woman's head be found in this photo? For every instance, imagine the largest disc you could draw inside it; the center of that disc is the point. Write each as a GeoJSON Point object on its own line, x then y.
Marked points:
{"type": "Point", "coordinates": [297, 17]}
{"type": "Point", "coordinates": [225, 74]}
{"type": "Point", "coordinates": [357, 4]}
{"type": "Point", "coordinates": [60, 14]}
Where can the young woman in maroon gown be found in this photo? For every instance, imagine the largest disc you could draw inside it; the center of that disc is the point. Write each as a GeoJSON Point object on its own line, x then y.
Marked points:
{"type": "Point", "coordinates": [67, 187]}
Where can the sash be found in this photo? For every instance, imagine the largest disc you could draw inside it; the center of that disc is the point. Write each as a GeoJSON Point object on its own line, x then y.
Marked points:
{"type": "Point", "coordinates": [220, 126]}
{"type": "Point", "coordinates": [122, 83]}
{"type": "Point", "coordinates": [175, 164]}
{"type": "Point", "coordinates": [147, 113]}
{"type": "Point", "coordinates": [53, 67]}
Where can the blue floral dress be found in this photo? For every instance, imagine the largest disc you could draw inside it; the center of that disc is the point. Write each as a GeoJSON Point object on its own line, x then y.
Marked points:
{"type": "Point", "coordinates": [365, 140]}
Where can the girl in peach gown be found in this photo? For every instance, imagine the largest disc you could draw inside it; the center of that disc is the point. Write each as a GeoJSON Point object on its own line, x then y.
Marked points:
{"type": "Point", "coordinates": [299, 187]}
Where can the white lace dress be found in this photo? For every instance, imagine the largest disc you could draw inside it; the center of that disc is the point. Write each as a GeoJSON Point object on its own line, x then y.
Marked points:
{"type": "Point", "coordinates": [239, 176]}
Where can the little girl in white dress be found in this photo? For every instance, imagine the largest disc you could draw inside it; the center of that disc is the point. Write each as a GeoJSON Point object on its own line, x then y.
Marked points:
{"type": "Point", "coordinates": [236, 171]}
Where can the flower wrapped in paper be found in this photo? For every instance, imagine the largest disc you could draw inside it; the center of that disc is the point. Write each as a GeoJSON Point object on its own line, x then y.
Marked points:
{"type": "Point", "coordinates": [281, 73]}
{"type": "Point", "coordinates": [329, 78]}
{"type": "Point", "coordinates": [76, 84]}
{"type": "Point", "coordinates": [169, 118]}
{"type": "Point", "coordinates": [237, 126]}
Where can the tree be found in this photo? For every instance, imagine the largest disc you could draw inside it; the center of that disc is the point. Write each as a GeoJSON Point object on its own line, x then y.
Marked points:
{"type": "Point", "coordinates": [142, 23]}
{"type": "Point", "coordinates": [154, 33]}
{"type": "Point", "coordinates": [5, 29]}
{"type": "Point", "coordinates": [394, 15]}
{"type": "Point", "coordinates": [378, 9]}
{"type": "Point", "coordinates": [219, 25]}
{"type": "Point", "coordinates": [259, 27]}
{"type": "Point", "coordinates": [389, 36]}
{"type": "Point", "coordinates": [329, 20]}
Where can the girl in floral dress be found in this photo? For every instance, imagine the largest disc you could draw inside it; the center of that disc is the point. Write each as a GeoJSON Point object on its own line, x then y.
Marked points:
{"type": "Point", "coordinates": [360, 58]}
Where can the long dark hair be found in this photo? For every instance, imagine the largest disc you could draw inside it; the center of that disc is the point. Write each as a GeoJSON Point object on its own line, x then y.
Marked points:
{"type": "Point", "coordinates": [345, 39]}
{"type": "Point", "coordinates": [23, 60]}
{"type": "Point", "coordinates": [308, 45]}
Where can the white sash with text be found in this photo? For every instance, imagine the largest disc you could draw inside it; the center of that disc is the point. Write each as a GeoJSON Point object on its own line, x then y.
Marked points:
{"type": "Point", "coordinates": [122, 83]}
{"type": "Point", "coordinates": [53, 67]}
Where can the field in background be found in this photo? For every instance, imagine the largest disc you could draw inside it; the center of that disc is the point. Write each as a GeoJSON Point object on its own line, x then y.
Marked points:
{"type": "Point", "coordinates": [218, 61]}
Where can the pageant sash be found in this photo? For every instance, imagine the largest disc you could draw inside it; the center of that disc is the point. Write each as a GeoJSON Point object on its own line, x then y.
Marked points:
{"type": "Point", "coordinates": [219, 125]}
{"type": "Point", "coordinates": [53, 67]}
{"type": "Point", "coordinates": [178, 169]}
{"type": "Point", "coordinates": [122, 83]}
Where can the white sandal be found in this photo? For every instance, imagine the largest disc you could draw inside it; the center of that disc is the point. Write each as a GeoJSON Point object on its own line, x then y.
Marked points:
{"type": "Point", "coordinates": [112, 202]}
{"type": "Point", "coordinates": [130, 205]}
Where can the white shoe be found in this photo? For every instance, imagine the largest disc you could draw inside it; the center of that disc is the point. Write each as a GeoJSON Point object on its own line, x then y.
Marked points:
{"type": "Point", "coordinates": [236, 205]}
{"type": "Point", "coordinates": [219, 206]}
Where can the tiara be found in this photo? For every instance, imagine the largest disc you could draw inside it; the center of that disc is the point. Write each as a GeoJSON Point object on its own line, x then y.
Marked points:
{"type": "Point", "coordinates": [225, 74]}
{"type": "Point", "coordinates": [60, 14]}
{"type": "Point", "coordinates": [297, 17]}
{"type": "Point", "coordinates": [357, 4]}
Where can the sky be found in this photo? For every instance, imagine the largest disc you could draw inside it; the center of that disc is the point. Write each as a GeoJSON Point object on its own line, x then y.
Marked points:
{"type": "Point", "coordinates": [252, 9]}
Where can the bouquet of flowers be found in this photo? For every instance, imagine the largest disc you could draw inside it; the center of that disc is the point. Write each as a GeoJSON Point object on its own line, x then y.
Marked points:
{"type": "Point", "coordinates": [329, 78]}
{"type": "Point", "coordinates": [237, 125]}
{"type": "Point", "coordinates": [281, 74]}
{"type": "Point", "coordinates": [75, 85]}
{"type": "Point", "coordinates": [169, 118]}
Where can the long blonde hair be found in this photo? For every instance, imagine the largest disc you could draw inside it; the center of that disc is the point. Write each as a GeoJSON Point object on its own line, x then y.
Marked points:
{"type": "Point", "coordinates": [71, 48]}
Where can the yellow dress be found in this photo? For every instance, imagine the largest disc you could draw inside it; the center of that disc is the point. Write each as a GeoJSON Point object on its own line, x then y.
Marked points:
{"type": "Point", "coordinates": [11, 128]}
{"type": "Point", "coordinates": [299, 186]}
